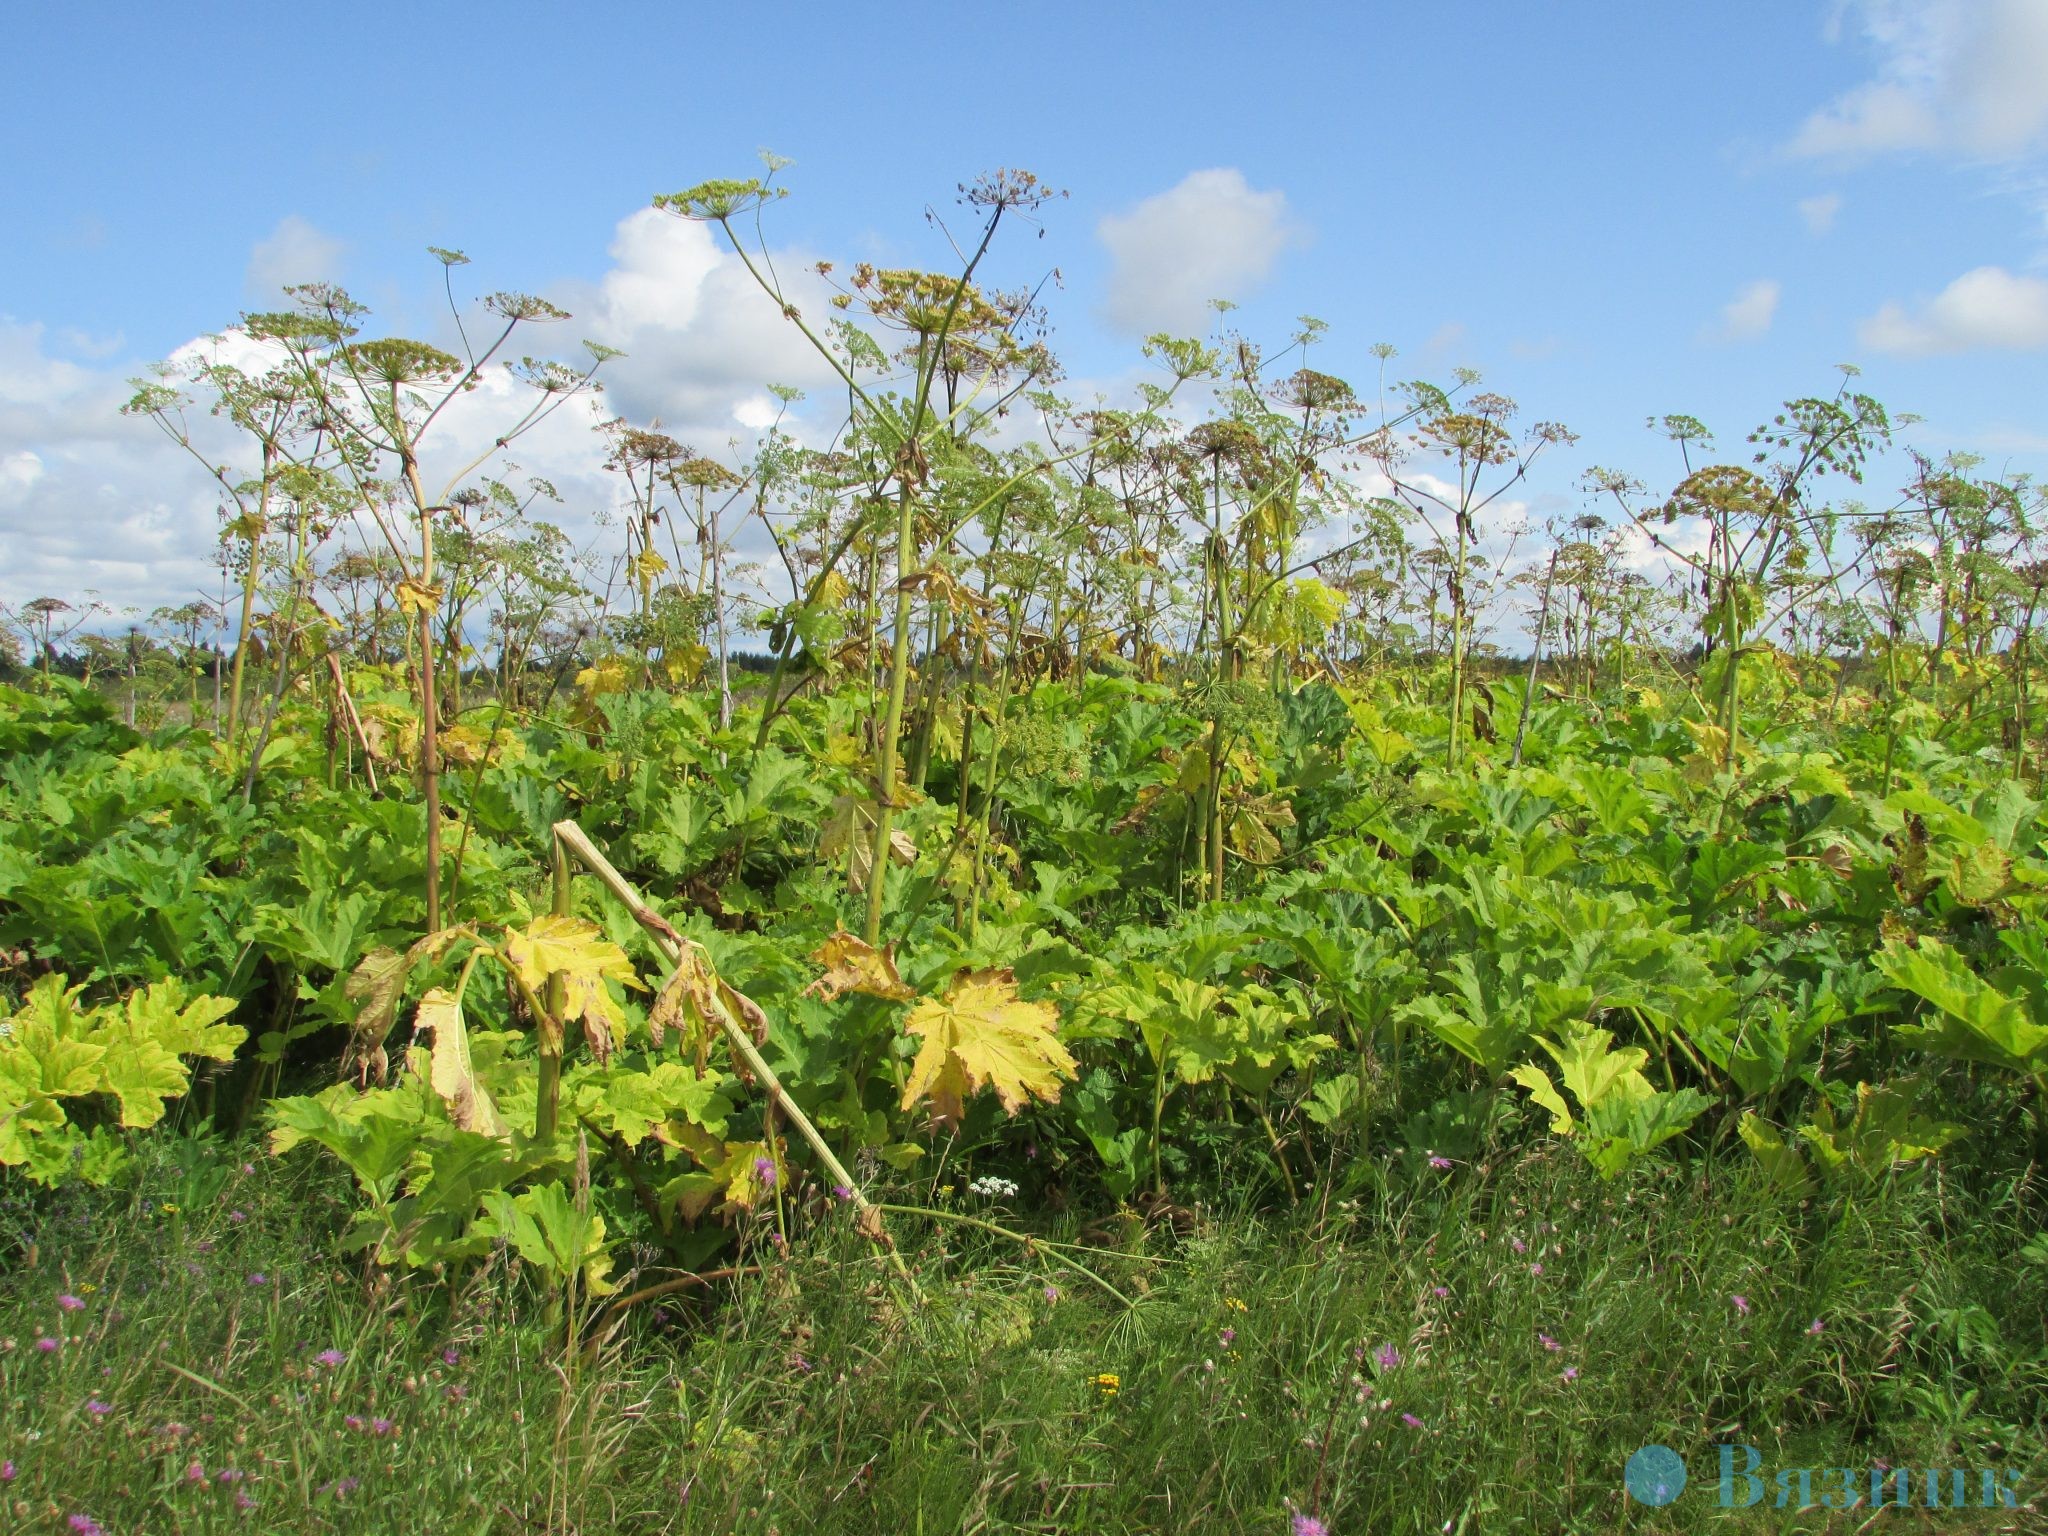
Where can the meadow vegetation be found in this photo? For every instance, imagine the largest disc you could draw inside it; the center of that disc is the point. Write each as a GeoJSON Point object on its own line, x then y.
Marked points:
{"type": "Point", "coordinates": [1161, 967]}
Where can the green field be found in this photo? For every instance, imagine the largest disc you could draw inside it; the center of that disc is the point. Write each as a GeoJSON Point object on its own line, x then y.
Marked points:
{"type": "Point", "coordinates": [1150, 978]}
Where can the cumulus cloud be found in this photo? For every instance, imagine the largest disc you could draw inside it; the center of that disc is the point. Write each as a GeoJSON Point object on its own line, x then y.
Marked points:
{"type": "Point", "coordinates": [1209, 237]}
{"type": "Point", "coordinates": [1989, 308]}
{"type": "Point", "coordinates": [1967, 77]}
{"type": "Point", "coordinates": [91, 500]}
{"type": "Point", "coordinates": [1818, 213]}
{"type": "Point", "coordinates": [294, 252]}
{"type": "Point", "coordinates": [702, 340]}
{"type": "Point", "coordinates": [1749, 314]}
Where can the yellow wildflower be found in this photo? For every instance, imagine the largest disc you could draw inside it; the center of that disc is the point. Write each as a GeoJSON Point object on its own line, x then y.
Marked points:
{"type": "Point", "coordinates": [1107, 1383]}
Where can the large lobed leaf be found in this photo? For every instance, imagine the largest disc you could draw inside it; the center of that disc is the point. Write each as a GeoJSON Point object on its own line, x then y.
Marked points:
{"type": "Point", "coordinates": [981, 1034]}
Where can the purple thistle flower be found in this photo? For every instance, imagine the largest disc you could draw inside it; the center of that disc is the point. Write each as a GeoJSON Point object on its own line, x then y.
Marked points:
{"type": "Point", "coordinates": [230, 1475]}
{"type": "Point", "coordinates": [764, 1171]}
{"type": "Point", "coordinates": [1571, 1373]}
{"type": "Point", "coordinates": [455, 1392]}
{"type": "Point", "coordinates": [841, 1192]}
{"type": "Point", "coordinates": [1535, 1269]}
{"type": "Point", "coordinates": [71, 1303]}
{"type": "Point", "coordinates": [353, 1421]}
{"type": "Point", "coordinates": [85, 1525]}
{"type": "Point", "coordinates": [1308, 1525]}
{"type": "Point", "coordinates": [1411, 1421]}
{"type": "Point", "coordinates": [1438, 1160]}
{"type": "Point", "coordinates": [1229, 1337]}
{"type": "Point", "coordinates": [243, 1501]}
{"type": "Point", "coordinates": [196, 1473]}
{"type": "Point", "coordinates": [330, 1357]}
{"type": "Point", "coordinates": [382, 1427]}
{"type": "Point", "coordinates": [1440, 1291]}
{"type": "Point", "coordinates": [259, 1278]}
{"type": "Point", "coordinates": [450, 1355]}
{"type": "Point", "coordinates": [1549, 1343]}
{"type": "Point", "coordinates": [342, 1487]}
{"type": "Point", "coordinates": [1741, 1304]}
{"type": "Point", "coordinates": [98, 1409]}
{"type": "Point", "coordinates": [238, 1217]}
{"type": "Point", "coordinates": [47, 1345]}
{"type": "Point", "coordinates": [1816, 1326]}
{"type": "Point", "coordinates": [1386, 1357]}
{"type": "Point", "coordinates": [7, 1472]}
{"type": "Point", "coordinates": [1052, 1293]}
{"type": "Point", "coordinates": [1518, 1245]}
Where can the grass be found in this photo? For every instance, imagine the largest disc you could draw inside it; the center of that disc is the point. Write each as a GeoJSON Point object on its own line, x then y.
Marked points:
{"type": "Point", "coordinates": [1396, 1364]}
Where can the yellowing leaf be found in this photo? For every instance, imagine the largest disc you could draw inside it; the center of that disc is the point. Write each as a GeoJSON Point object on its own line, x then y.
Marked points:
{"type": "Point", "coordinates": [684, 663]}
{"type": "Point", "coordinates": [853, 965]}
{"type": "Point", "coordinates": [1981, 876]}
{"type": "Point", "coordinates": [416, 597]}
{"type": "Point", "coordinates": [849, 832]}
{"type": "Point", "coordinates": [461, 746]}
{"type": "Point", "coordinates": [583, 958]}
{"type": "Point", "coordinates": [450, 1070]}
{"type": "Point", "coordinates": [982, 1035]}
{"type": "Point", "coordinates": [687, 1002]}
{"type": "Point", "coordinates": [378, 983]}
{"type": "Point", "coordinates": [607, 676]}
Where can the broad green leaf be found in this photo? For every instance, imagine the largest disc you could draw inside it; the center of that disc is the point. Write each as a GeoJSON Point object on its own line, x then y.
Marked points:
{"type": "Point", "coordinates": [1977, 1022]}
{"type": "Point", "coordinates": [549, 1232]}
{"type": "Point", "coordinates": [1594, 1072]}
{"type": "Point", "coordinates": [1779, 1159]}
{"type": "Point", "coordinates": [185, 1028]}
{"type": "Point", "coordinates": [1545, 1093]}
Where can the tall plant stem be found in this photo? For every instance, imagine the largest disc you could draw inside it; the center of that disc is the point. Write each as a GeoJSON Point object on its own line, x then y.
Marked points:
{"type": "Point", "coordinates": [892, 719]}
{"type": "Point", "coordinates": [548, 1107]}
{"type": "Point", "coordinates": [430, 728]}
{"type": "Point", "coordinates": [570, 841]}
{"type": "Point", "coordinates": [1535, 661]}
{"type": "Point", "coordinates": [249, 577]}
{"type": "Point", "coordinates": [1458, 605]}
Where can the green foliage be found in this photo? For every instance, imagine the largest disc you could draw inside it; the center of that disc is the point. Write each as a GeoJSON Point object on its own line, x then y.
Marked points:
{"type": "Point", "coordinates": [61, 1063]}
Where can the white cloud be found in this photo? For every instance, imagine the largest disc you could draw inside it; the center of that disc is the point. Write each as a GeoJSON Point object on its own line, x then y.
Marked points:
{"type": "Point", "coordinates": [19, 471]}
{"type": "Point", "coordinates": [1818, 212]}
{"type": "Point", "coordinates": [294, 252]}
{"type": "Point", "coordinates": [1989, 308]}
{"type": "Point", "coordinates": [94, 501]}
{"type": "Point", "coordinates": [1209, 237]}
{"type": "Point", "coordinates": [91, 500]}
{"type": "Point", "coordinates": [1749, 314]}
{"type": "Point", "coordinates": [700, 335]}
{"type": "Point", "coordinates": [1966, 77]}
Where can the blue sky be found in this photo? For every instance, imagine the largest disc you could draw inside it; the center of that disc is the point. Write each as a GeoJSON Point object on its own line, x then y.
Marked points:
{"type": "Point", "coordinates": [1569, 198]}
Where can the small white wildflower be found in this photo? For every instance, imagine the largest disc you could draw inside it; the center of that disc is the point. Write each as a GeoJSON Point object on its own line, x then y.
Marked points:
{"type": "Point", "coordinates": [994, 1188]}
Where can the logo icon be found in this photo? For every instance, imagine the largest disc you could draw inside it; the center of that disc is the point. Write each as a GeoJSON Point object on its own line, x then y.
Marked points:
{"type": "Point", "coordinates": [1655, 1475]}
